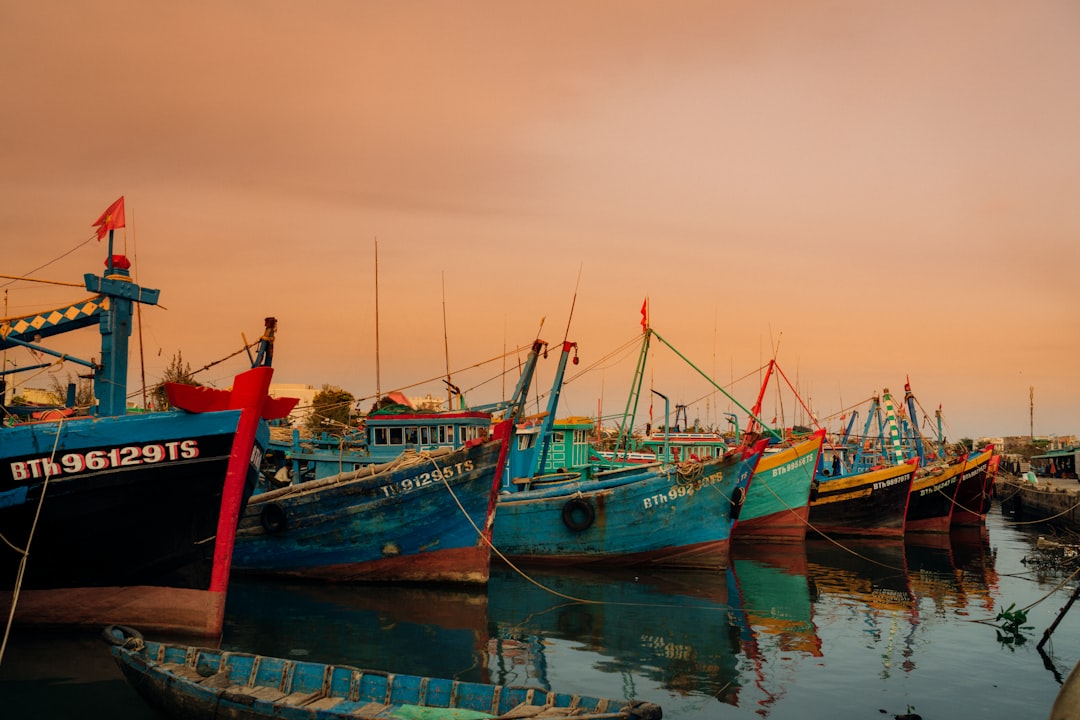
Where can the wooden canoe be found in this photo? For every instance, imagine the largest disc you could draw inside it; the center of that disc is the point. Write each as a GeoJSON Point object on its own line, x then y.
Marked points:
{"type": "Point", "coordinates": [194, 683]}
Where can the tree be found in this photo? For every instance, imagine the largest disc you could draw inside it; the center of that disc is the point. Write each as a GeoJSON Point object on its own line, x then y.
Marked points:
{"type": "Point", "coordinates": [84, 391]}
{"type": "Point", "coordinates": [330, 409]}
{"type": "Point", "coordinates": [177, 372]}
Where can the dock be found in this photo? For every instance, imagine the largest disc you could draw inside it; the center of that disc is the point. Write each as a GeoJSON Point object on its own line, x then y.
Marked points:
{"type": "Point", "coordinates": [1054, 500]}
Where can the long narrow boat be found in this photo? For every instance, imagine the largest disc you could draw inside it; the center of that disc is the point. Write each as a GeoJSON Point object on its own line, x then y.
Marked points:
{"type": "Point", "coordinates": [777, 505]}
{"type": "Point", "coordinates": [872, 503]}
{"type": "Point", "coordinates": [71, 488]}
{"type": "Point", "coordinates": [975, 491]}
{"type": "Point", "coordinates": [930, 507]}
{"type": "Point", "coordinates": [194, 683]}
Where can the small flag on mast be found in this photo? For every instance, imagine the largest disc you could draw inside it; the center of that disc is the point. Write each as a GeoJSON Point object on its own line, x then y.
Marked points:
{"type": "Point", "coordinates": [112, 218]}
{"type": "Point", "coordinates": [645, 315]}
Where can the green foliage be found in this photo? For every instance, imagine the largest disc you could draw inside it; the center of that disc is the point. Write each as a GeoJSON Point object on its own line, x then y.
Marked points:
{"type": "Point", "coordinates": [177, 372]}
{"type": "Point", "coordinates": [84, 391]}
{"type": "Point", "coordinates": [330, 410]}
{"type": "Point", "coordinates": [1011, 626]}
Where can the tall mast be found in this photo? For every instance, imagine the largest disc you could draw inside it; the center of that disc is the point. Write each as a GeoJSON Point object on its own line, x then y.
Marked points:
{"type": "Point", "coordinates": [446, 349]}
{"type": "Point", "coordinates": [378, 377]}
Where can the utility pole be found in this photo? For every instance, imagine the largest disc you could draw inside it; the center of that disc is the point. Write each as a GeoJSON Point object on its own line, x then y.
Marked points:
{"type": "Point", "coordinates": [1031, 412]}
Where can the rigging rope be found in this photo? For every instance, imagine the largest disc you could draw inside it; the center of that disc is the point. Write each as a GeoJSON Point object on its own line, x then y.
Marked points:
{"type": "Point", "coordinates": [26, 552]}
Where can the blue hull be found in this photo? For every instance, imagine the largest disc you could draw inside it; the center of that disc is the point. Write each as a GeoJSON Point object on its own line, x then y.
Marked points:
{"type": "Point", "coordinates": [394, 522]}
{"type": "Point", "coordinates": [635, 515]}
{"type": "Point", "coordinates": [192, 683]}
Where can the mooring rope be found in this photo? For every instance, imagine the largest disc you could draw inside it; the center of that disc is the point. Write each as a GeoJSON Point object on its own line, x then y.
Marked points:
{"type": "Point", "coordinates": [26, 552]}
{"type": "Point", "coordinates": [545, 588]}
{"type": "Point", "coordinates": [1020, 488]}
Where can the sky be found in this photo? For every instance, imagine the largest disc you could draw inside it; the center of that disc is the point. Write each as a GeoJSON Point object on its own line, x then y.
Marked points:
{"type": "Point", "coordinates": [867, 191]}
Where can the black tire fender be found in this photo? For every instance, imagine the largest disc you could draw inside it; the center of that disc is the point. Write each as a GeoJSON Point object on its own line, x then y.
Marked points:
{"type": "Point", "coordinates": [578, 514]}
{"type": "Point", "coordinates": [122, 636]}
{"type": "Point", "coordinates": [273, 518]}
{"type": "Point", "coordinates": [737, 499]}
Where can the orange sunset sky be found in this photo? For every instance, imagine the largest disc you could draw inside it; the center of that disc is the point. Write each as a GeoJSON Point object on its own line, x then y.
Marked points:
{"type": "Point", "coordinates": [879, 189]}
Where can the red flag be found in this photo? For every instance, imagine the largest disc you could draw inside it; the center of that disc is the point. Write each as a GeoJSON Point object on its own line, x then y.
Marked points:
{"type": "Point", "coordinates": [645, 315]}
{"type": "Point", "coordinates": [113, 217]}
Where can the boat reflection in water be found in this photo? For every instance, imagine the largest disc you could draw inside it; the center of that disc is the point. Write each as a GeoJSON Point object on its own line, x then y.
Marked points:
{"type": "Point", "coordinates": [438, 632]}
{"type": "Point", "coordinates": [682, 630]}
{"type": "Point", "coordinates": [775, 592]}
{"type": "Point", "coordinates": [952, 573]}
{"type": "Point", "coordinates": [698, 643]}
{"type": "Point", "coordinates": [899, 589]}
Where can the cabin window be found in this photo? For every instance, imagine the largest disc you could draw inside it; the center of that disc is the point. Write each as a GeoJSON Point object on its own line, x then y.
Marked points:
{"type": "Point", "coordinates": [446, 434]}
{"type": "Point", "coordinates": [425, 435]}
{"type": "Point", "coordinates": [412, 435]}
{"type": "Point", "coordinates": [395, 436]}
{"type": "Point", "coordinates": [378, 436]}
{"type": "Point", "coordinates": [557, 437]}
{"type": "Point", "coordinates": [526, 441]}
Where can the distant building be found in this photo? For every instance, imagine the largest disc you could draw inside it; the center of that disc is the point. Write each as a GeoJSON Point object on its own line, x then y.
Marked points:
{"type": "Point", "coordinates": [39, 396]}
{"type": "Point", "coordinates": [305, 393]}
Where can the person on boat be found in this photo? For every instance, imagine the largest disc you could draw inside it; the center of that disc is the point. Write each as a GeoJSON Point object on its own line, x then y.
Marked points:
{"type": "Point", "coordinates": [284, 474]}
{"type": "Point", "coordinates": [835, 465]}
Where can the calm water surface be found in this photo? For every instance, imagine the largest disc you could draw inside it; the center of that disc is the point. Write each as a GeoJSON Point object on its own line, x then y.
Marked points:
{"type": "Point", "coordinates": [808, 631]}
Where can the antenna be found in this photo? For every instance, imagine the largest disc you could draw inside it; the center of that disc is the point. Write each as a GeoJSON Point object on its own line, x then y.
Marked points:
{"type": "Point", "coordinates": [573, 302]}
{"type": "Point", "coordinates": [446, 349]}
{"type": "Point", "coordinates": [378, 378]}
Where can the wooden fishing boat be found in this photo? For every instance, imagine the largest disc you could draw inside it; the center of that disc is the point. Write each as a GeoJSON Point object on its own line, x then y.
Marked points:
{"type": "Point", "coordinates": [670, 515]}
{"type": "Point", "coordinates": [426, 516]}
{"type": "Point", "coordinates": [933, 490]}
{"type": "Point", "coordinates": [664, 513]}
{"type": "Point", "coordinates": [975, 490]}
{"type": "Point", "coordinates": [193, 683]}
{"type": "Point", "coordinates": [872, 503]}
{"type": "Point", "coordinates": [777, 504]}
{"type": "Point", "coordinates": [71, 487]}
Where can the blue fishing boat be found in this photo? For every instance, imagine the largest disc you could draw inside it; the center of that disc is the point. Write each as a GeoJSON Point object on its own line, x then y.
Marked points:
{"type": "Point", "coordinates": [663, 513]}
{"type": "Point", "coordinates": [424, 516]}
{"type": "Point", "coordinates": [194, 683]}
{"type": "Point", "coordinates": [71, 487]}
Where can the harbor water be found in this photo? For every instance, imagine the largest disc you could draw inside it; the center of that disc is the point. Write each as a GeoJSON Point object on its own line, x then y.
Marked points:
{"type": "Point", "coordinates": [844, 629]}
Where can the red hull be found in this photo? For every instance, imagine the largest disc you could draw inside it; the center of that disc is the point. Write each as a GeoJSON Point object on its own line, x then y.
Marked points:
{"type": "Point", "coordinates": [974, 493]}
{"type": "Point", "coordinates": [929, 525]}
{"type": "Point", "coordinates": [157, 609]}
{"type": "Point", "coordinates": [786, 526]}
{"type": "Point", "coordinates": [457, 565]}
{"type": "Point", "coordinates": [702, 556]}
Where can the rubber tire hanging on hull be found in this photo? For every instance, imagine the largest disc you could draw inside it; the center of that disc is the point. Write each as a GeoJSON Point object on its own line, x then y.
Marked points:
{"type": "Point", "coordinates": [273, 518]}
{"type": "Point", "coordinates": [737, 499]}
{"type": "Point", "coordinates": [578, 514]}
